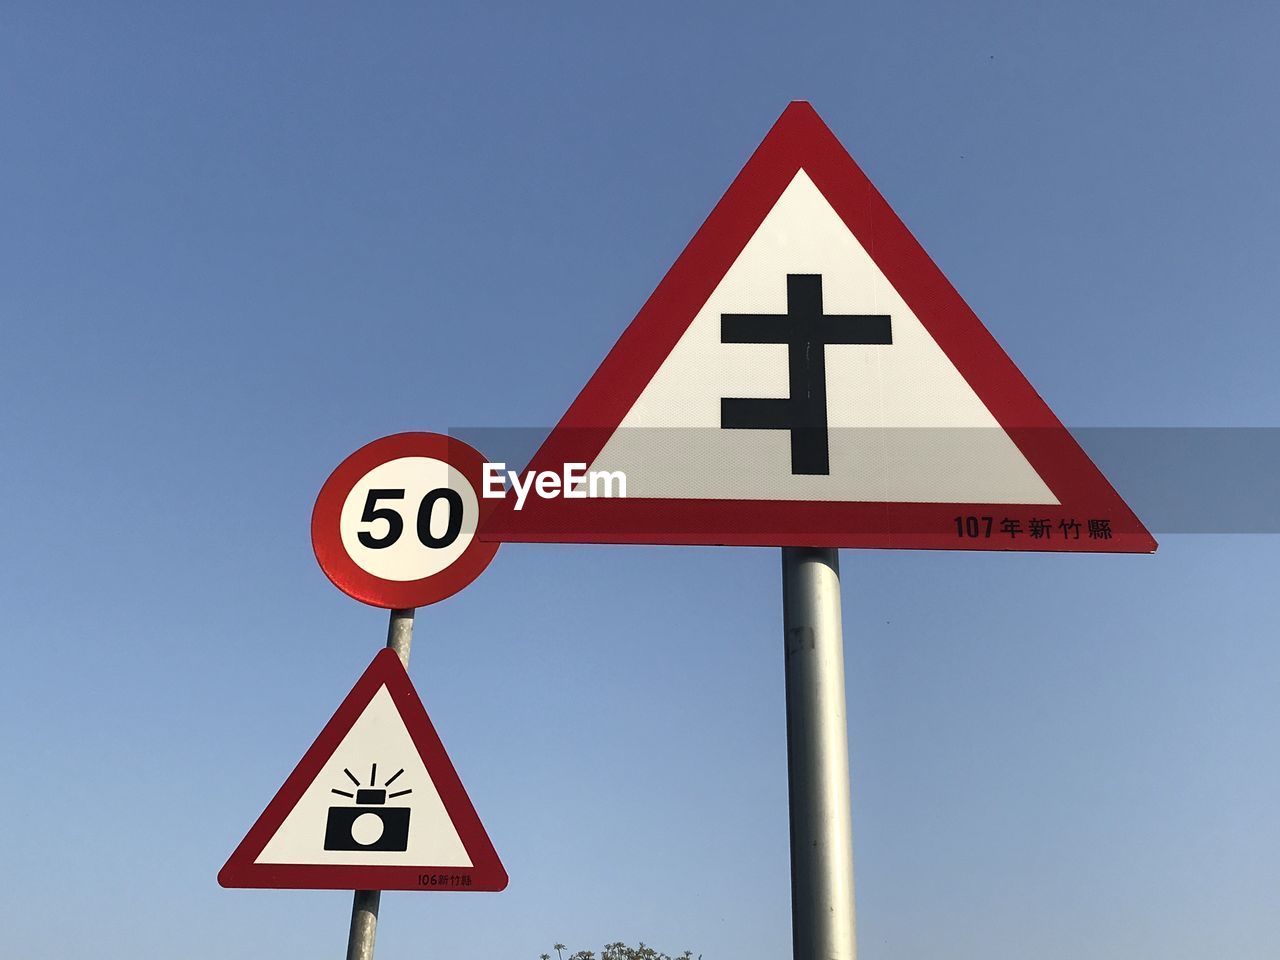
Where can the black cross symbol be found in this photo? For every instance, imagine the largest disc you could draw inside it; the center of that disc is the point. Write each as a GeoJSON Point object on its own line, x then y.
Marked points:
{"type": "Point", "coordinates": [806, 331]}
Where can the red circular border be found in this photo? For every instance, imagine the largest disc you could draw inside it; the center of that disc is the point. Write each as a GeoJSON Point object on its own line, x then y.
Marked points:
{"type": "Point", "coordinates": [326, 538]}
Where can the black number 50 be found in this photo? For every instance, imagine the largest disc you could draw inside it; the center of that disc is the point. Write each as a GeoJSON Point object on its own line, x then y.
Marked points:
{"type": "Point", "coordinates": [395, 523]}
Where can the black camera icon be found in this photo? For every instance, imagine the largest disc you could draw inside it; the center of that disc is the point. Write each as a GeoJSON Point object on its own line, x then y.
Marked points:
{"type": "Point", "coordinates": [370, 825]}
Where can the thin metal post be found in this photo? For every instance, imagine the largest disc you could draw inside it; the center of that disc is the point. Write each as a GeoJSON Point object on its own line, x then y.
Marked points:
{"type": "Point", "coordinates": [400, 634]}
{"type": "Point", "coordinates": [364, 908]}
{"type": "Point", "coordinates": [822, 917]}
{"type": "Point", "coordinates": [364, 925]}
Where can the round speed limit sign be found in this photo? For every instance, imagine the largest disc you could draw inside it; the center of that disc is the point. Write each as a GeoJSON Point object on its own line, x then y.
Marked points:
{"type": "Point", "coordinates": [395, 524]}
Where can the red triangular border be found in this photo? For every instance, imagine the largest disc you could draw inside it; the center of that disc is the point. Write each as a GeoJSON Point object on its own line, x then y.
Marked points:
{"type": "Point", "coordinates": [801, 140]}
{"type": "Point", "coordinates": [486, 871]}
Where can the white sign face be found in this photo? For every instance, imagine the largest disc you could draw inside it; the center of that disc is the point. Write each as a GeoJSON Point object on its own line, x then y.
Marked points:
{"type": "Point", "coordinates": [902, 424]}
{"type": "Point", "coordinates": [374, 802]}
{"type": "Point", "coordinates": [409, 518]}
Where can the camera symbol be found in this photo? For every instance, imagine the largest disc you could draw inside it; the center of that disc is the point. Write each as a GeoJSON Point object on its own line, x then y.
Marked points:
{"type": "Point", "coordinates": [370, 824]}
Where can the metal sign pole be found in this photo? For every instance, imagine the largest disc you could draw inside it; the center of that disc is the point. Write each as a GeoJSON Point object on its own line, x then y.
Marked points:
{"type": "Point", "coordinates": [364, 908]}
{"type": "Point", "coordinates": [822, 918]}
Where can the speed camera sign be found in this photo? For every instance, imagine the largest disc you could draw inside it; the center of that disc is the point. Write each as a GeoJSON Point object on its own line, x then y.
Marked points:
{"type": "Point", "coordinates": [395, 524]}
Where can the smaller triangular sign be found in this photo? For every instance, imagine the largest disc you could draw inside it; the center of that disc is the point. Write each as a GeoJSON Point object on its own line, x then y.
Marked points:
{"type": "Point", "coordinates": [375, 804]}
{"type": "Point", "coordinates": [804, 375]}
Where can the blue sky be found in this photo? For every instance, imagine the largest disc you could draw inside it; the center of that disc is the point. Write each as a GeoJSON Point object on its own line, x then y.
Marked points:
{"type": "Point", "coordinates": [240, 242]}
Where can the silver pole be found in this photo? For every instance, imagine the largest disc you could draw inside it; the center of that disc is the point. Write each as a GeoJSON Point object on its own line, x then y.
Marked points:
{"type": "Point", "coordinates": [822, 920]}
{"type": "Point", "coordinates": [400, 634]}
{"type": "Point", "coordinates": [364, 908]}
{"type": "Point", "coordinates": [364, 925]}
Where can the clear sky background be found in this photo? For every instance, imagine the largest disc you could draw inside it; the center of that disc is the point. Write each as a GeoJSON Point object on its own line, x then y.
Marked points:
{"type": "Point", "coordinates": [238, 240]}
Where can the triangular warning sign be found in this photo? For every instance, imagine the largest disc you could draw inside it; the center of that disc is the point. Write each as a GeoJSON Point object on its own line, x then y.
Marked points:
{"type": "Point", "coordinates": [805, 375]}
{"type": "Point", "coordinates": [374, 805]}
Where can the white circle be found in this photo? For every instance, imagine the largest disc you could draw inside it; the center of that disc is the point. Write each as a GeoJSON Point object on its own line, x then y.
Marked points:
{"type": "Point", "coordinates": [366, 829]}
{"type": "Point", "coordinates": [415, 481]}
